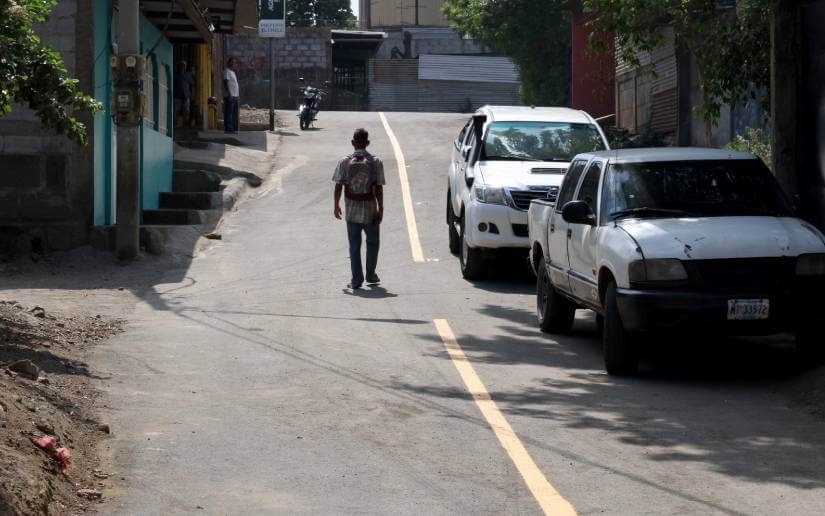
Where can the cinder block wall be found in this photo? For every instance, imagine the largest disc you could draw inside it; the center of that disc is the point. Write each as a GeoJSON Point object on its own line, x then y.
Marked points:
{"type": "Point", "coordinates": [304, 52]}
{"type": "Point", "coordinates": [430, 40]}
{"type": "Point", "coordinates": [45, 180]}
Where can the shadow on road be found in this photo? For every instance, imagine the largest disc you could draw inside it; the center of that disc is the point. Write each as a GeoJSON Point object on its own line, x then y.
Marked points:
{"type": "Point", "coordinates": [711, 401]}
{"type": "Point", "coordinates": [370, 292]}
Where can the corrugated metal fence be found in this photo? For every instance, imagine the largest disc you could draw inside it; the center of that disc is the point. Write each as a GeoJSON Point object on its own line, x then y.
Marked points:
{"type": "Point", "coordinates": [647, 95]}
{"type": "Point", "coordinates": [442, 83]}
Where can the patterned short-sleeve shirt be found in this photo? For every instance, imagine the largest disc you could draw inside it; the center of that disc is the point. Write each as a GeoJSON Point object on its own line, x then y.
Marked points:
{"type": "Point", "coordinates": [360, 212]}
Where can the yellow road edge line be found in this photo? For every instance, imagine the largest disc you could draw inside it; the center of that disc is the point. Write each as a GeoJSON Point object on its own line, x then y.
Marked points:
{"type": "Point", "coordinates": [550, 501]}
{"type": "Point", "coordinates": [409, 213]}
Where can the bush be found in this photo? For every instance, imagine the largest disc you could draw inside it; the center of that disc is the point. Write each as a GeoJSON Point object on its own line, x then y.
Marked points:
{"type": "Point", "coordinates": [757, 142]}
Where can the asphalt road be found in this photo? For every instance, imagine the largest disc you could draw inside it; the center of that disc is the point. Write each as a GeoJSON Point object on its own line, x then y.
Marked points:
{"type": "Point", "coordinates": [256, 384]}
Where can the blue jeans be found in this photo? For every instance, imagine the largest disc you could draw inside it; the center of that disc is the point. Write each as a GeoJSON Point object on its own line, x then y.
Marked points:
{"type": "Point", "coordinates": [230, 114]}
{"type": "Point", "coordinates": [354, 234]}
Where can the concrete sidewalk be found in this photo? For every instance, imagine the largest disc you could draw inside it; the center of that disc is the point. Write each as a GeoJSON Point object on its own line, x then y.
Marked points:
{"type": "Point", "coordinates": [248, 152]}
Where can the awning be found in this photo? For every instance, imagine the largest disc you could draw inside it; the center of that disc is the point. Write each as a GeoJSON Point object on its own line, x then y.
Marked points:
{"type": "Point", "coordinates": [357, 38]}
{"type": "Point", "coordinates": [192, 21]}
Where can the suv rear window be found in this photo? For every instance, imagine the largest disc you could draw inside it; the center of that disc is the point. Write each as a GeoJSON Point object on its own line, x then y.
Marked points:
{"type": "Point", "coordinates": [693, 189]}
{"type": "Point", "coordinates": [539, 141]}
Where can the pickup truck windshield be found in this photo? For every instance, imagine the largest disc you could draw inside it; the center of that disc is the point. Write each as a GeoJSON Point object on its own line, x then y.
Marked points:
{"type": "Point", "coordinates": [692, 189]}
{"type": "Point", "coordinates": [539, 141]}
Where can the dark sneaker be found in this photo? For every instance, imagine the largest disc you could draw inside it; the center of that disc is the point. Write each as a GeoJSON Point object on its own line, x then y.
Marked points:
{"type": "Point", "coordinates": [373, 279]}
{"type": "Point", "coordinates": [353, 287]}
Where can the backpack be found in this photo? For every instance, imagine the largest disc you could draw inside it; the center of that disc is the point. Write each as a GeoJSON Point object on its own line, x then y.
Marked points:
{"type": "Point", "coordinates": [362, 177]}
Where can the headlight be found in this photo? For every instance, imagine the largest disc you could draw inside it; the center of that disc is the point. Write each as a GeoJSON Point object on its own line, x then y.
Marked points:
{"type": "Point", "coordinates": [489, 194]}
{"type": "Point", "coordinates": [810, 265]}
{"type": "Point", "coordinates": [642, 271]}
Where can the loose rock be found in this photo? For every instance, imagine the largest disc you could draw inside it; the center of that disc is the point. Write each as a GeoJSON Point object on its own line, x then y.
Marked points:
{"type": "Point", "coordinates": [25, 367]}
{"type": "Point", "coordinates": [45, 427]}
{"type": "Point", "coordinates": [90, 494]}
{"type": "Point", "coordinates": [38, 311]}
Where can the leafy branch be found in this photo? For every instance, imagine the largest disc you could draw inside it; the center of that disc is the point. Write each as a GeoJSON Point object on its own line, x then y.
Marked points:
{"type": "Point", "coordinates": [536, 38]}
{"type": "Point", "coordinates": [33, 74]}
{"type": "Point", "coordinates": [730, 47]}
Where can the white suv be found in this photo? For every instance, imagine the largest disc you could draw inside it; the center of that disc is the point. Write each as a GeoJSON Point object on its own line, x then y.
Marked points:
{"type": "Point", "coordinates": [503, 158]}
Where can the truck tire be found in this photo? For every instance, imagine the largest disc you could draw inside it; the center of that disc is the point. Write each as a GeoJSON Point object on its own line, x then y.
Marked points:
{"type": "Point", "coordinates": [470, 258]}
{"type": "Point", "coordinates": [455, 239]}
{"type": "Point", "coordinates": [555, 312]}
{"type": "Point", "coordinates": [809, 349]}
{"type": "Point", "coordinates": [620, 354]}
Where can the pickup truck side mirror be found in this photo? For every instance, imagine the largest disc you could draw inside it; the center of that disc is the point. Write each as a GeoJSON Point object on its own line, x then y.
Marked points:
{"type": "Point", "coordinates": [465, 152]}
{"type": "Point", "coordinates": [578, 212]}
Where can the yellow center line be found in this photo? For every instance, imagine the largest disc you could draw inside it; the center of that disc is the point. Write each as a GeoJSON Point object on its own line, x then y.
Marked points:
{"type": "Point", "coordinates": [550, 501]}
{"type": "Point", "coordinates": [412, 227]}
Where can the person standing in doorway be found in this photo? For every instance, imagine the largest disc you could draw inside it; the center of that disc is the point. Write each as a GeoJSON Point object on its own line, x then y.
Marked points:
{"type": "Point", "coordinates": [360, 177]}
{"type": "Point", "coordinates": [184, 85]}
{"type": "Point", "coordinates": [231, 92]}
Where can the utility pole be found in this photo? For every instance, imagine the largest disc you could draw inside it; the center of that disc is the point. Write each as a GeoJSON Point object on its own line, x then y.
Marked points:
{"type": "Point", "coordinates": [129, 67]}
{"type": "Point", "coordinates": [271, 88]}
{"type": "Point", "coordinates": [272, 24]}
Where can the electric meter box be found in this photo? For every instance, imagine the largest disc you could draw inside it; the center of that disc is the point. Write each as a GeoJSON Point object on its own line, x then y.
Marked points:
{"type": "Point", "coordinates": [128, 67]}
{"type": "Point", "coordinates": [128, 108]}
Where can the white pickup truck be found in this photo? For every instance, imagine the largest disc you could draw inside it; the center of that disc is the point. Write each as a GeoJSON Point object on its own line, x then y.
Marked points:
{"type": "Point", "coordinates": [504, 157]}
{"type": "Point", "coordinates": [676, 239]}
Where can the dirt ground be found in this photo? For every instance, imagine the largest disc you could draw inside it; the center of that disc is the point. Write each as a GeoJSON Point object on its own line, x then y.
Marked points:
{"type": "Point", "coordinates": [55, 401]}
{"type": "Point", "coordinates": [257, 119]}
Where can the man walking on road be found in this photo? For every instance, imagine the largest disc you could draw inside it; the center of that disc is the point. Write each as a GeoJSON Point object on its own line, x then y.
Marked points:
{"type": "Point", "coordinates": [360, 176]}
{"type": "Point", "coordinates": [231, 92]}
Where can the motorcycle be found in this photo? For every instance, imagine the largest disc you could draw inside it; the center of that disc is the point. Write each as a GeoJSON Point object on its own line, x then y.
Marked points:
{"type": "Point", "coordinates": [310, 105]}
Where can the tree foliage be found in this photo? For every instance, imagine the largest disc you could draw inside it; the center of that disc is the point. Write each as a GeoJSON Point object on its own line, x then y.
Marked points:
{"type": "Point", "coordinates": [320, 13]}
{"type": "Point", "coordinates": [757, 142]}
{"type": "Point", "coordinates": [730, 46]}
{"type": "Point", "coordinates": [33, 75]}
{"type": "Point", "coordinates": [536, 37]}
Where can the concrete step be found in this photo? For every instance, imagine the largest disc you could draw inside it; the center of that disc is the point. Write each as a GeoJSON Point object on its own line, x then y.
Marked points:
{"type": "Point", "coordinates": [191, 200]}
{"type": "Point", "coordinates": [174, 217]}
{"type": "Point", "coordinates": [195, 180]}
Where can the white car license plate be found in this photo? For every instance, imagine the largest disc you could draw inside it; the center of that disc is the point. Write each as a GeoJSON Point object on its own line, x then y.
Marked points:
{"type": "Point", "coordinates": [748, 309]}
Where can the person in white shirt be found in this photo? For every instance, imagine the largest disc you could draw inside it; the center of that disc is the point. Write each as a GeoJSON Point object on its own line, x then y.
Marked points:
{"type": "Point", "coordinates": [231, 92]}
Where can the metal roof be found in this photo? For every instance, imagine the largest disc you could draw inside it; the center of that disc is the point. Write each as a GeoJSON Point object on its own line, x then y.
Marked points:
{"type": "Point", "coordinates": [467, 68]}
{"type": "Point", "coordinates": [192, 21]}
{"type": "Point", "coordinates": [659, 154]}
{"type": "Point", "coordinates": [534, 114]}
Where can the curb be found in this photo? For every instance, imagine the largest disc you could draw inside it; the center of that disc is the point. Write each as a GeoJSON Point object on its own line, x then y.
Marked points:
{"type": "Point", "coordinates": [223, 171]}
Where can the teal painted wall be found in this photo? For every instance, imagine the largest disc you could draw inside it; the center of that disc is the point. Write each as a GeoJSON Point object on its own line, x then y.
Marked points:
{"type": "Point", "coordinates": [103, 144]}
{"type": "Point", "coordinates": [156, 150]}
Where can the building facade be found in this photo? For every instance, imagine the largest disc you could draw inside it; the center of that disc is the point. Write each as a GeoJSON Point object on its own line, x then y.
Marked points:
{"type": "Point", "coordinates": [53, 191]}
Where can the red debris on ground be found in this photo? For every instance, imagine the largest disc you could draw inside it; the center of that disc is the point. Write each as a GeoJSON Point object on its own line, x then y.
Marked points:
{"type": "Point", "coordinates": [61, 455]}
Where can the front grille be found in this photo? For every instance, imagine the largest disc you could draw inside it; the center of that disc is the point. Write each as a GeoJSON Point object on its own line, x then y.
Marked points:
{"type": "Point", "coordinates": [520, 230]}
{"type": "Point", "coordinates": [521, 198]}
{"type": "Point", "coordinates": [741, 273]}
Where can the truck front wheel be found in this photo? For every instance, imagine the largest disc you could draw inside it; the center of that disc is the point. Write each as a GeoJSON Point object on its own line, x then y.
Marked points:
{"type": "Point", "coordinates": [470, 258]}
{"type": "Point", "coordinates": [555, 312]}
{"type": "Point", "coordinates": [620, 354]}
